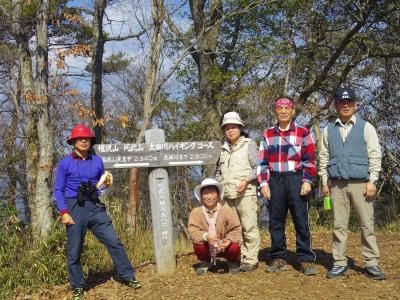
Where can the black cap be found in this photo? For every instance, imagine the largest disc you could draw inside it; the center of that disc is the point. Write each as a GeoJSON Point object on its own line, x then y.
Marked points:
{"type": "Point", "coordinates": [345, 93]}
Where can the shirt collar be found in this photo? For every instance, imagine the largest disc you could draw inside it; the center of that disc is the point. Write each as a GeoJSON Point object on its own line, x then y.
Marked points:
{"type": "Point", "coordinates": [352, 120]}
{"type": "Point", "coordinates": [228, 146]}
{"type": "Point", "coordinates": [292, 127]}
{"type": "Point", "coordinates": [74, 156]}
{"type": "Point", "coordinates": [211, 211]}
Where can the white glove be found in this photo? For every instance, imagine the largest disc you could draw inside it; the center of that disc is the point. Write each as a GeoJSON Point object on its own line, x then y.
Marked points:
{"type": "Point", "coordinates": [106, 179]}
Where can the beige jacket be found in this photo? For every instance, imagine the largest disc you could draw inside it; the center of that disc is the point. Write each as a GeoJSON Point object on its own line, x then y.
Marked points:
{"type": "Point", "coordinates": [235, 166]}
{"type": "Point", "coordinates": [227, 226]}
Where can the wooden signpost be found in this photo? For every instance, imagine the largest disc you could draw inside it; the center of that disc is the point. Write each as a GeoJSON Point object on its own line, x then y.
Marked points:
{"type": "Point", "coordinates": [155, 154]}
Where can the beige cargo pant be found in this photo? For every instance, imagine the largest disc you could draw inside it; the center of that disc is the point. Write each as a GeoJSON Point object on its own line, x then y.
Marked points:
{"type": "Point", "coordinates": [343, 193]}
{"type": "Point", "coordinates": [246, 208]}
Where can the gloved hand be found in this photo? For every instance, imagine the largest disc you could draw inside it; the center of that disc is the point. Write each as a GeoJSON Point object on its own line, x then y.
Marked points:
{"type": "Point", "coordinates": [109, 179]}
{"type": "Point", "coordinates": [106, 179]}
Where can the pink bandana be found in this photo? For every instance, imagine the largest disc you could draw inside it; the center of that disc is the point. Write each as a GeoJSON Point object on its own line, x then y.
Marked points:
{"type": "Point", "coordinates": [284, 102]}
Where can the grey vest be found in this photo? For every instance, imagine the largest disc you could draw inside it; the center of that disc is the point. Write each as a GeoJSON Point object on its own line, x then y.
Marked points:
{"type": "Point", "coordinates": [349, 159]}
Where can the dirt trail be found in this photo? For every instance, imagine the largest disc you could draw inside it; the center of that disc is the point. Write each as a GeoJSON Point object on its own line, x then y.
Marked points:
{"type": "Point", "coordinates": [185, 284]}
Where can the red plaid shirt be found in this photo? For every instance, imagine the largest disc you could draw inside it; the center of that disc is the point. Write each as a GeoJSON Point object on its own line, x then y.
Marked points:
{"type": "Point", "coordinates": [286, 151]}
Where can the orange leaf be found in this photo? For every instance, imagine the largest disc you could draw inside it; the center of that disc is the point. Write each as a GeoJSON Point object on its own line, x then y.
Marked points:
{"type": "Point", "coordinates": [124, 120]}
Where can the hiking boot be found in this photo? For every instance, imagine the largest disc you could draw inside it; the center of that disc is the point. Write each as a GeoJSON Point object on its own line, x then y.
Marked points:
{"type": "Point", "coordinates": [246, 267]}
{"type": "Point", "coordinates": [308, 268]}
{"type": "Point", "coordinates": [77, 294]}
{"type": "Point", "coordinates": [277, 265]}
{"type": "Point", "coordinates": [233, 267]}
{"type": "Point", "coordinates": [133, 283]}
{"type": "Point", "coordinates": [375, 273]}
{"type": "Point", "coordinates": [202, 268]}
{"type": "Point", "coordinates": [336, 271]}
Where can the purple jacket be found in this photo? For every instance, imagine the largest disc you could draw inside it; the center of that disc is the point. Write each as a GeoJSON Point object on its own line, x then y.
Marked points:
{"type": "Point", "coordinates": [71, 171]}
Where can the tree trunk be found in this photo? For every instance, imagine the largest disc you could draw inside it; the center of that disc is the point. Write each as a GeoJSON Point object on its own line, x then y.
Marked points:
{"type": "Point", "coordinates": [28, 93]}
{"type": "Point", "coordinates": [188, 194]}
{"type": "Point", "coordinates": [317, 132]}
{"type": "Point", "coordinates": [133, 197]}
{"type": "Point", "coordinates": [157, 14]}
{"type": "Point", "coordinates": [184, 229]}
{"type": "Point", "coordinates": [97, 68]}
{"type": "Point", "coordinates": [207, 29]}
{"type": "Point", "coordinates": [9, 150]}
{"type": "Point", "coordinates": [41, 215]}
{"type": "Point", "coordinates": [207, 19]}
{"type": "Point", "coordinates": [315, 123]}
{"type": "Point", "coordinates": [289, 66]}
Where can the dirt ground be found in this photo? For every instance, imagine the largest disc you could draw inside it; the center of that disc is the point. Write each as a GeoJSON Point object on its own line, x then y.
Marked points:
{"type": "Point", "coordinates": [185, 284]}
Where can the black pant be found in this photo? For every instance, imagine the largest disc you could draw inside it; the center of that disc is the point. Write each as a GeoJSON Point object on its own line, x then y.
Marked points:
{"type": "Point", "coordinates": [285, 195]}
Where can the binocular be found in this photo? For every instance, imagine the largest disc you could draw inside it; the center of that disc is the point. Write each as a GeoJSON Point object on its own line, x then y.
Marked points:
{"type": "Point", "coordinates": [87, 191]}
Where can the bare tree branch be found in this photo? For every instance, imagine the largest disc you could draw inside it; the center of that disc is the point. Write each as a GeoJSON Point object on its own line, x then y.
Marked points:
{"type": "Point", "coordinates": [183, 39]}
{"type": "Point", "coordinates": [125, 37]}
{"type": "Point", "coordinates": [82, 9]}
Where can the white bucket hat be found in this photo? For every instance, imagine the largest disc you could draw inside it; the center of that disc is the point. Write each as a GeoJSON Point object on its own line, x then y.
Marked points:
{"type": "Point", "coordinates": [231, 117]}
{"type": "Point", "coordinates": [209, 182]}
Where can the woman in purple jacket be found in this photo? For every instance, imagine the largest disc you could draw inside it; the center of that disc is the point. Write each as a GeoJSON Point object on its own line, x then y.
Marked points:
{"type": "Point", "coordinates": [77, 199]}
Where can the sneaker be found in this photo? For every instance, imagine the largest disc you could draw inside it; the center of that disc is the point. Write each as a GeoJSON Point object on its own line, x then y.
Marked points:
{"type": "Point", "coordinates": [277, 265]}
{"type": "Point", "coordinates": [375, 273]}
{"type": "Point", "coordinates": [202, 268]}
{"type": "Point", "coordinates": [77, 294]}
{"type": "Point", "coordinates": [336, 271]}
{"type": "Point", "coordinates": [133, 283]}
{"type": "Point", "coordinates": [308, 268]}
{"type": "Point", "coordinates": [246, 267]}
{"type": "Point", "coordinates": [233, 267]}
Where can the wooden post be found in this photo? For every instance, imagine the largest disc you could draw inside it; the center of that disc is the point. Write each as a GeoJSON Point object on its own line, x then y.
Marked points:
{"type": "Point", "coordinates": [155, 154]}
{"type": "Point", "coordinates": [161, 211]}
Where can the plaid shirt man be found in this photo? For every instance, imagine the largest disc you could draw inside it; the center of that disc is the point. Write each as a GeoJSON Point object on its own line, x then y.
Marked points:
{"type": "Point", "coordinates": [286, 151]}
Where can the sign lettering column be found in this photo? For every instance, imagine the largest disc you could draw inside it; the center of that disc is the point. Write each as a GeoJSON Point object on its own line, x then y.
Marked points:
{"type": "Point", "coordinates": [161, 211]}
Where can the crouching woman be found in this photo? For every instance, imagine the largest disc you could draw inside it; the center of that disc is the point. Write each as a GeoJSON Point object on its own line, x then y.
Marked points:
{"type": "Point", "coordinates": [77, 198]}
{"type": "Point", "coordinates": [214, 228]}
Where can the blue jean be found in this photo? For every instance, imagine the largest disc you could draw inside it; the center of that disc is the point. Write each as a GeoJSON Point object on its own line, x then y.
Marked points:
{"type": "Point", "coordinates": [93, 216]}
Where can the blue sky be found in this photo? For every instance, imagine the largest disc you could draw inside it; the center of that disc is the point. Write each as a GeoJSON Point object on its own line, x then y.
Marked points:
{"type": "Point", "coordinates": [124, 15]}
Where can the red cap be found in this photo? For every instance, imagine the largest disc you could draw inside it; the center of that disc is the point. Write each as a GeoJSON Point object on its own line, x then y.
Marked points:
{"type": "Point", "coordinates": [81, 131]}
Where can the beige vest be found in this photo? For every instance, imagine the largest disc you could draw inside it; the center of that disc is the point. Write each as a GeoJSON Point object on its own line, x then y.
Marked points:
{"type": "Point", "coordinates": [235, 166]}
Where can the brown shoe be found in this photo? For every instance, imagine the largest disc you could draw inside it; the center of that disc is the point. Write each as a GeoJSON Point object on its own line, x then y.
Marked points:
{"type": "Point", "coordinates": [246, 267]}
{"type": "Point", "coordinates": [277, 265]}
{"type": "Point", "coordinates": [308, 268]}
